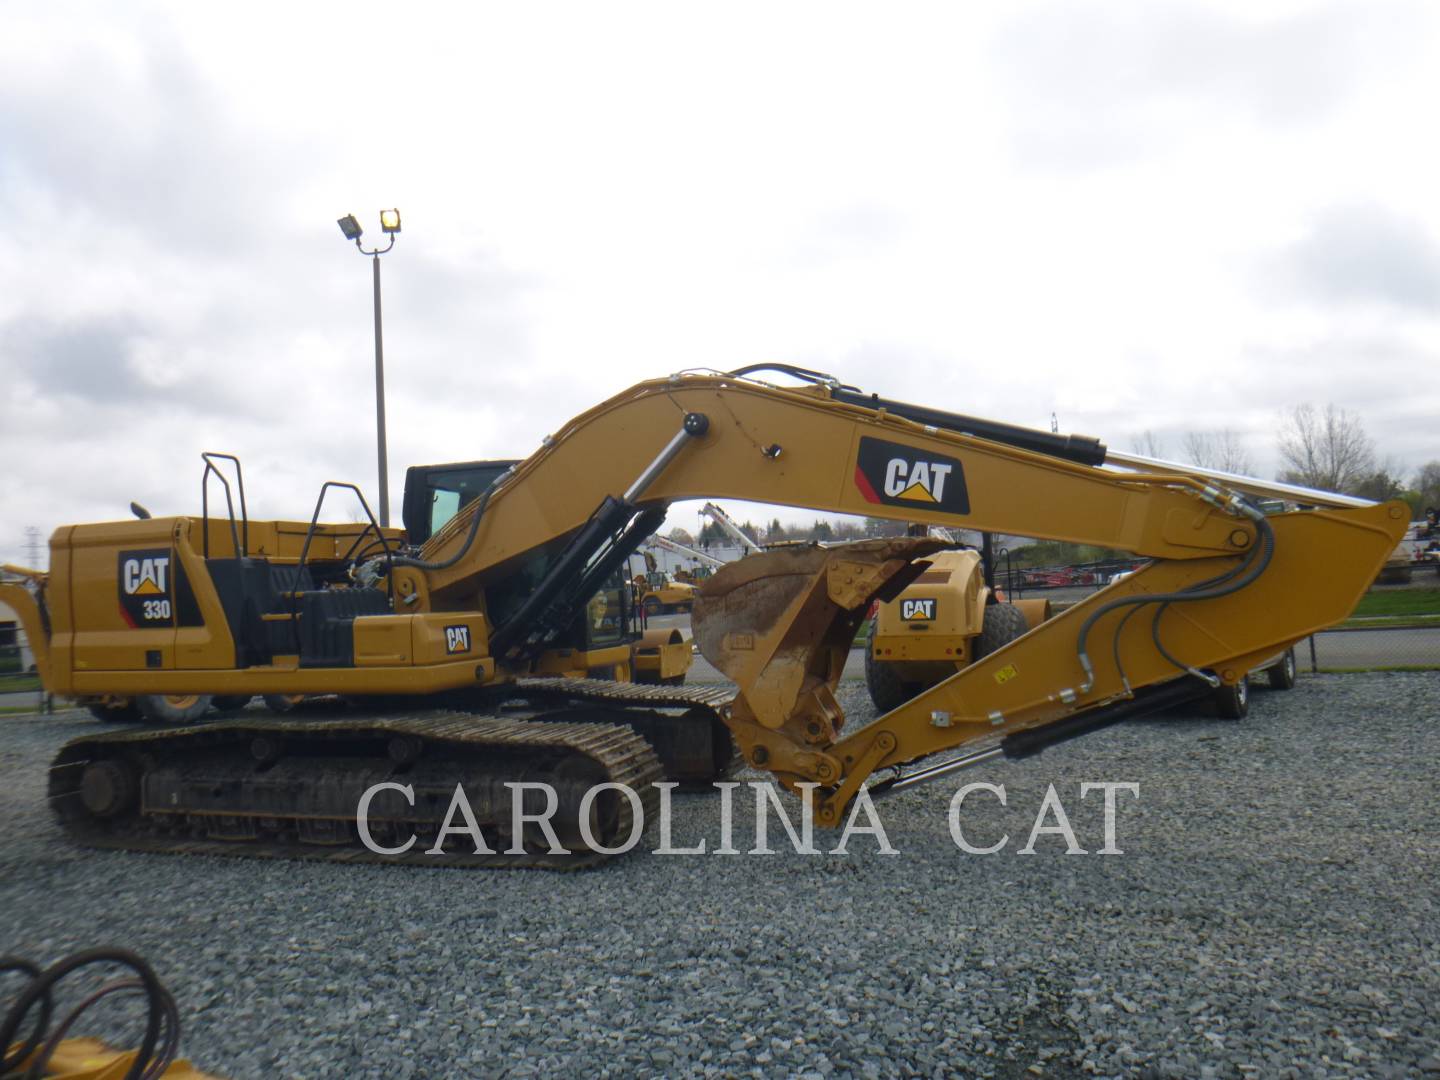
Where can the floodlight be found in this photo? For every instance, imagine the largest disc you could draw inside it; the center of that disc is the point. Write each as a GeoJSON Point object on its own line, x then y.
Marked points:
{"type": "Point", "coordinates": [350, 227]}
{"type": "Point", "coordinates": [390, 221]}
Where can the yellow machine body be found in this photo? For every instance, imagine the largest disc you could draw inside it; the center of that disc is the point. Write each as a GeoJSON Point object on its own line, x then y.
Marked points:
{"type": "Point", "coordinates": [132, 609]}
{"type": "Point", "coordinates": [937, 617]}
{"type": "Point", "coordinates": [495, 584]}
{"type": "Point", "coordinates": [936, 626]}
{"type": "Point", "coordinates": [658, 592]}
{"type": "Point", "coordinates": [662, 656]}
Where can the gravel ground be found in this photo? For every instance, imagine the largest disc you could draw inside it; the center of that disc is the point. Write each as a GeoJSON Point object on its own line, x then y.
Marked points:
{"type": "Point", "coordinates": [1274, 914]}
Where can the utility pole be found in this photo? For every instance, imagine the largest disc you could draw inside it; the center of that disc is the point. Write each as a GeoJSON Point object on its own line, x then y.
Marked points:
{"type": "Point", "coordinates": [380, 397]}
{"type": "Point", "coordinates": [390, 225]}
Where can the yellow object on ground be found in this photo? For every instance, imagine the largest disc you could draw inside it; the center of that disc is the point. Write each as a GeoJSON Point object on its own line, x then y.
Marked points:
{"type": "Point", "coordinates": [91, 1059]}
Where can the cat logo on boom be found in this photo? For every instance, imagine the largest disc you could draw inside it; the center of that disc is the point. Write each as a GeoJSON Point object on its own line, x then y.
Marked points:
{"type": "Point", "coordinates": [898, 475]}
{"type": "Point", "coordinates": [457, 639]}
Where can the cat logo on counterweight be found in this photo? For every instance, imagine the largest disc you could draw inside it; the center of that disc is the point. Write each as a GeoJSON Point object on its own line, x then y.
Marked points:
{"type": "Point", "coordinates": [146, 591]}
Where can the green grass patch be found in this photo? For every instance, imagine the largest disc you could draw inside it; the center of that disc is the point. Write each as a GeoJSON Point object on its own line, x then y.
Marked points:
{"type": "Point", "coordinates": [1399, 602]}
{"type": "Point", "coordinates": [18, 684]}
{"type": "Point", "coordinates": [1396, 622]}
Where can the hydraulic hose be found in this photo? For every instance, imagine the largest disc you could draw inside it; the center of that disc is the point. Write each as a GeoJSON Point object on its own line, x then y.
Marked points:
{"type": "Point", "coordinates": [1250, 567]}
{"type": "Point", "coordinates": [162, 1024]}
{"type": "Point", "coordinates": [475, 516]}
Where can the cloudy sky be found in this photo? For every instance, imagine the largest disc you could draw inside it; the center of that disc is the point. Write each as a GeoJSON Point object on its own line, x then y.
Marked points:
{"type": "Point", "coordinates": [1135, 216]}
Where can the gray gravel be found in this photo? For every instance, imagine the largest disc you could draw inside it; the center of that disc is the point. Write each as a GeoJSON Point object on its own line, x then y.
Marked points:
{"type": "Point", "coordinates": [1274, 914]}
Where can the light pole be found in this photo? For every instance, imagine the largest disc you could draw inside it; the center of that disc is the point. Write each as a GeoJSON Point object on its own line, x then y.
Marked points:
{"type": "Point", "coordinates": [389, 223]}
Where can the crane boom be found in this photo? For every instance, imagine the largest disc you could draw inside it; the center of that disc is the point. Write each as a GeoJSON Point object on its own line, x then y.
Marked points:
{"type": "Point", "coordinates": [676, 548]}
{"type": "Point", "coordinates": [727, 524]}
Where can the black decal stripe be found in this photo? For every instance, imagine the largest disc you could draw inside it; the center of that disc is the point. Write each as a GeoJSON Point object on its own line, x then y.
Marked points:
{"type": "Point", "coordinates": [874, 459]}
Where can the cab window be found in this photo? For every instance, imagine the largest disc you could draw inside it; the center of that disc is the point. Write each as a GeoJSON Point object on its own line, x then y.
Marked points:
{"type": "Point", "coordinates": [444, 505]}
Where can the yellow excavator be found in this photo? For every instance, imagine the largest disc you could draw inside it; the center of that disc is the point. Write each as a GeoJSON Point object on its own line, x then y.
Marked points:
{"type": "Point", "coordinates": [455, 640]}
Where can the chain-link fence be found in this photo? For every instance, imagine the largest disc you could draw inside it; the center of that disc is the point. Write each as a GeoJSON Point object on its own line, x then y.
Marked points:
{"type": "Point", "coordinates": [1400, 646]}
{"type": "Point", "coordinates": [20, 689]}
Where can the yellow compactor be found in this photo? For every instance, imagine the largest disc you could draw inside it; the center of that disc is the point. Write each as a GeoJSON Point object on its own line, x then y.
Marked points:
{"type": "Point", "coordinates": [947, 618]}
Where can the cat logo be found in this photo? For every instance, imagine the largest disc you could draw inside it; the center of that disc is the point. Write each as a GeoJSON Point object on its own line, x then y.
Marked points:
{"type": "Point", "coordinates": [145, 588]}
{"type": "Point", "coordinates": [457, 639]}
{"type": "Point", "coordinates": [917, 610]}
{"type": "Point", "coordinates": [145, 576]}
{"type": "Point", "coordinates": [897, 475]}
{"type": "Point", "coordinates": [920, 481]}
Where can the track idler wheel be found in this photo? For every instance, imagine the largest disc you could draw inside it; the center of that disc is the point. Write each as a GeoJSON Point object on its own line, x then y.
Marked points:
{"type": "Point", "coordinates": [108, 788]}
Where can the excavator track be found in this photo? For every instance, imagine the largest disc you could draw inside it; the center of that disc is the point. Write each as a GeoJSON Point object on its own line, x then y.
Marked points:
{"type": "Point", "coordinates": [695, 747]}
{"type": "Point", "coordinates": [714, 697]}
{"type": "Point", "coordinates": [272, 788]}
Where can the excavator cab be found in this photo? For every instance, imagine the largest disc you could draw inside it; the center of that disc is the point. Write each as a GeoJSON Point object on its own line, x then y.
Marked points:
{"type": "Point", "coordinates": [609, 614]}
{"type": "Point", "coordinates": [436, 493]}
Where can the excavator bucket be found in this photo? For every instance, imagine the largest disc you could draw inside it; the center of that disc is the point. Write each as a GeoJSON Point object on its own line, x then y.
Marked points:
{"type": "Point", "coordinates": [780, 624]}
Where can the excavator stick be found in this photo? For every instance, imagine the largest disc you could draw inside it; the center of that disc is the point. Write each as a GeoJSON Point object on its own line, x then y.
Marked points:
{"type": "Point", "coordinates": [780, 624]}
{"type": "Point", "coordinates": [777, 627]}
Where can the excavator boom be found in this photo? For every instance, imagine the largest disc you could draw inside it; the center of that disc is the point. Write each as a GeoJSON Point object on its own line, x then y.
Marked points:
{"type": "Point", "coordinates": [802, 447]}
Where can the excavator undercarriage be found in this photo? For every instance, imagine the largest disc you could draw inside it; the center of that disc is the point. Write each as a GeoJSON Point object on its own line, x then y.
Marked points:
{"type": "Point", "coordinates": [270, 787]}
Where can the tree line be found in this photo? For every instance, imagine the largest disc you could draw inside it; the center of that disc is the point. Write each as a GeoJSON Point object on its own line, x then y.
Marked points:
{"type": "Point", "coordinates": [777, 532]}
{"type": "Point", "coordinates": [1323, 448]}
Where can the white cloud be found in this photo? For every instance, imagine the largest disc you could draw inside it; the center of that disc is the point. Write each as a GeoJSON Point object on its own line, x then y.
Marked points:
{"type": "Point", "coordinates": [1122, 214]}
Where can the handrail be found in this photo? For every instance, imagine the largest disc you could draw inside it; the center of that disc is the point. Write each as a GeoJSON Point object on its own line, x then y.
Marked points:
{"type": "Point", "coordinates": [241, 541]}
{"type": "Point", "coordinates": [310, 535]}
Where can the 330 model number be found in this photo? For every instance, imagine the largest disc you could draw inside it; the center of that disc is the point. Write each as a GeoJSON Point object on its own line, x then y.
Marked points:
{"type": "Point", "coordinates": [156, 609]}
